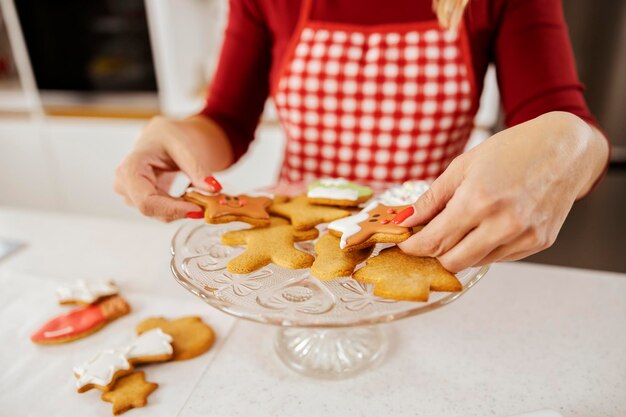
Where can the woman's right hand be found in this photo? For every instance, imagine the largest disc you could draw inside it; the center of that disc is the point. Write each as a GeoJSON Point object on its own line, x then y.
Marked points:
{"type": "Point", "coordinates": [196, 146]}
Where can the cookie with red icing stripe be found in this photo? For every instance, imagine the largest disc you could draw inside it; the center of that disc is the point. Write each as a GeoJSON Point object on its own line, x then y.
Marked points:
{"type": "Point", "coordinates": [81, 321]}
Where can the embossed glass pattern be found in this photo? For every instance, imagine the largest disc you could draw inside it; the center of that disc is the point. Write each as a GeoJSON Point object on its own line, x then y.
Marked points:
{"type": "Point", "coordinates": [328, 328]}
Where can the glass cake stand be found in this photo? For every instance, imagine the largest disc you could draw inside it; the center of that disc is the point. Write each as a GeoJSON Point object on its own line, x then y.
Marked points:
{"type": "Point", "coordinates": [326, 329]}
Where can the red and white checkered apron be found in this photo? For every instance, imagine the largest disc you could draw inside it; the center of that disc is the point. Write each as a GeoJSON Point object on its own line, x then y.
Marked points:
{"type": "Point", "coordinates": [382, 103]}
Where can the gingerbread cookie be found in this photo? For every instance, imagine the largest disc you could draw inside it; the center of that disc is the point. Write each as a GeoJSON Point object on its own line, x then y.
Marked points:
{"type": "Point", "coordinates": [222, 208]}
{"type": "Point", "coordinates": [331, 262]}
{"type": "Point", "coordinates": [399, 276]}
{"type": "Point", "coordinates": [151, 346]}
{"type": "Point", "coordinates": [191, 336]}
{"type": "Point", "coordinates": [407, 193]}
{"type": "Point", "coordinates": [102, 370]}
{"type": "Point", "coordinates": [304, 215]}
{"type": "Point", "coordinates": [269, 244]}
{"type": "Point", "coordinates": [372, 225]}
{"type": "Point", "coordinates": [130, 391]}
{"type": "Point", "coordinates": [84, 293]}
{"type": "Point", "coordinates": [338, 192]}
{"type": "Point", "coordinates": [81, 321]}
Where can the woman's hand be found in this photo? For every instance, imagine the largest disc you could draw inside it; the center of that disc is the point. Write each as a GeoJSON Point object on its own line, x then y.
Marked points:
{"type": "Point", "coordinates": [195, 146]}
{"type": "Point", "coordinates": [508, 197]}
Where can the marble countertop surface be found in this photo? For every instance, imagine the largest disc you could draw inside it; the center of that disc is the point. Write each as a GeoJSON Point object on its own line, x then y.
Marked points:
{"type": "Point", "coordinates": [526, 337]}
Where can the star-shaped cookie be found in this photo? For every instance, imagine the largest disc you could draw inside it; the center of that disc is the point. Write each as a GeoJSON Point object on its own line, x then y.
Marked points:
{"type": "Point", "coordinates": [372, 225]}
{"type": "Point", "coordinates": [269, 244]}
{"type": "Point", "coordinates": [399, 276]}
{"type": "Point", "coordinates": [223, 208]}
{"type": "Point", "coordinates": [304, 215]}
{"type": "Point", "coordinates": [331, 262]}
{"type": "Point", "coordinates": [131, 391]}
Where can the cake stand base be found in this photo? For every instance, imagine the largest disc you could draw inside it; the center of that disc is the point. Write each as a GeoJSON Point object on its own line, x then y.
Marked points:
{"type": "Point", "coordinates": [331, 353]}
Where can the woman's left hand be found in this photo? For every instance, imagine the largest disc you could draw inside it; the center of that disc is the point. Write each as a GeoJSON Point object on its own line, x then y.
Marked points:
{"type": "Point", "coordinates": [508, 197]}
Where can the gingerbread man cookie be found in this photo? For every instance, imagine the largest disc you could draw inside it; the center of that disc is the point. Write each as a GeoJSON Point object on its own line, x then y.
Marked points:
{"type": "Point", "coordinates": [372, 225]}
{"type": "Point", "coordinates": [130, 391]}
{"type": "Point", "coordinates": [269, 244]}
{"type": "Point", "coordinates": [222, 208]}
{"type": "Point", "coordinates": [304, 215]}
{"type": "Point", "coordinates": [399, 276]}
{"type": "Point", "coordinates": [331, 262]}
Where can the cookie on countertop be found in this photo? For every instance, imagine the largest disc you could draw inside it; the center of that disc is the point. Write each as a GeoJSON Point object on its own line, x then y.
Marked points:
{"type": "Point", "coordinates": [370, 226]}
{"type": "Point", "coordinates": [151, 346]}
{"type": "Point", "coordinates": [81, 321]}
{"type": "Point", "coordinates": [223, 208]}
{"type": "Point", "coordinates": [191, 336]}
{"type": "Point", "coordinates": [399, 276]}
{"type": "Point", "coordinates": [304, 215]}
{"type": "Point", "coordinates": [85, 292]}
{"type": "Point", "coordinates": [338, 192]}
{"type": "Point", "coordinates": [269, 244]}
{"type": "Point", "coordinates": [331, 262]}
{"type": "Point", "coordinates": [102, 370]}
{"type": "Point", "coordinates": [130, 391]}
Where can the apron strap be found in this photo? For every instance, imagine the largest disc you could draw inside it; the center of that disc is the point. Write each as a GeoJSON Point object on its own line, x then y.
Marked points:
{"type": "Point", "coordinates": [305, 13]}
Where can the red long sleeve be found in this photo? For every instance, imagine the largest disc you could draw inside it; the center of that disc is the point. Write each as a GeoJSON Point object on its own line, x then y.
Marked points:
{"type": "Point", "coordinates": [527, 40]}
{"type": "Point", "coordinates": [535, 63]}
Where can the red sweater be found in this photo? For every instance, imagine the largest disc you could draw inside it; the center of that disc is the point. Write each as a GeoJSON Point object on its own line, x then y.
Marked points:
{"type": "Point", "coordinates": [526, 39]}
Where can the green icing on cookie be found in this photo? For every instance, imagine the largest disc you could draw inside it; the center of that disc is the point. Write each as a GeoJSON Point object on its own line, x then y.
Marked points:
{"type": "Point", "coordinates": [341, 184]}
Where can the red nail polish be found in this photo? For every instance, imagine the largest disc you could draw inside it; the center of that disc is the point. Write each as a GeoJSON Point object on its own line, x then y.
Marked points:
{"type": "Point", "coordinates": [213, 183]}
{"type": "Point", "coordinates": [403, 215]}
{"type": "Point", "coordinates": [194, 215]}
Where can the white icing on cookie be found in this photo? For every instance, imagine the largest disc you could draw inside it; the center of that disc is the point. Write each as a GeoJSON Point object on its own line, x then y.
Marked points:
{"type": "Point", "coordinates": [333, 193]}
{"type": "Point", "coordinates": [349, 226]}
{"type": "Point", "coordinates": [85, 292]}
{"type": "Point", "coordinates": [101, 368]}
{"type": "Point", "coordinates": [200, 191]}
{"type": "Point", "coordinates": [333, 182]}
{"type": "Point", "coordinates": [404, 194]}
{"type": "Point", "coordinates": [151, 343]}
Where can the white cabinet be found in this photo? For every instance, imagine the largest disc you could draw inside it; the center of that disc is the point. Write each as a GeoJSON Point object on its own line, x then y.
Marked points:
{"type": "Point", "coordinates": [26, 173]}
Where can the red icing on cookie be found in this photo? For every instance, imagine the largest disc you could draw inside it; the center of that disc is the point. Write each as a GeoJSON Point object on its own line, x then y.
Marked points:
{"type": "Point", "coordinates": [70, 325]}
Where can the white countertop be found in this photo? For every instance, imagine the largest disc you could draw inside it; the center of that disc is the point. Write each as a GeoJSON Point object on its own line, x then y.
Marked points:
{"type": "Point", "coordinates": [527, 337]}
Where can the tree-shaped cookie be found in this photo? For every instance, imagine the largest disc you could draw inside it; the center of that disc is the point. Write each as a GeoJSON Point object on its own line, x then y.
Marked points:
{"type": "Point", "coordinates": [131, 391]}
{"type": "Point", "coordinates": [331, 262]}
{"type": "Point", "coordinates": [269, 244]}
{"type": "Point", "coordinates": [304, 215]}
{"type": "Point", "coordinates": [405, 277]}
{"type": "Point", "coordinates": [222, 208]}
{"type": "Point", "coordinates": [372, 225]}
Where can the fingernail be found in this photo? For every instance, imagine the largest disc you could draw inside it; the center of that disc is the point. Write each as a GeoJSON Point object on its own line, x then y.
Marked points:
{"type": "Point", "coordinates": [213, 183]}
{"type": "Point", "coordinates": [194, 215]}
{"type": "Point", "coordinates": [403, 215]}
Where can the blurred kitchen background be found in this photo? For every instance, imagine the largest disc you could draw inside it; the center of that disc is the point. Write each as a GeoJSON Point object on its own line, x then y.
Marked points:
{"type": "Point", "coordinates": [78, 80]}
